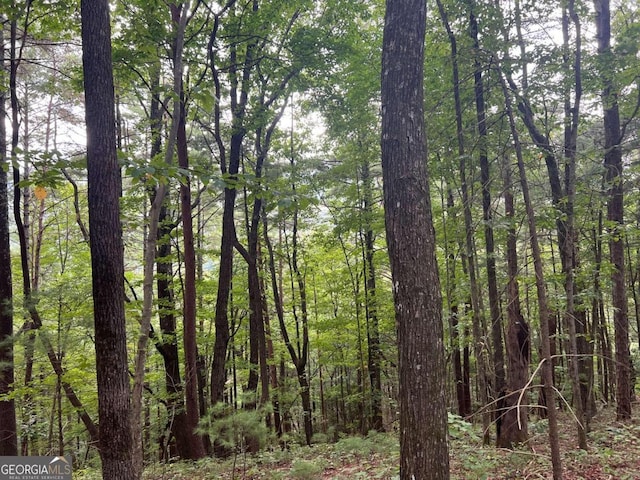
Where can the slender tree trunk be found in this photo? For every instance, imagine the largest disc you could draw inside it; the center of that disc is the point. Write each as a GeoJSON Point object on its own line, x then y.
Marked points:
{"type": "Point", "coordinates": [167, 344]}
{"type": "Point", "coordinates": [513, 414]}
{"type": "Point", "coordinates": [15, 59]}
{"type": "Point", "coordinates": [597, 311]}
{"type": "Point", "coordinates": [257, 307]}
{"type": "Point", "coordinates": [34, 321]}
{"type": "Point", "coordinates": [571, 117]}
{"type": "Point", "coordinates": [32, 264]}
{"type": "Point", "coordinates": [615, 209]}
{"type": "Point", "coordinates": [299, 359]}
{"type": "Point", "coordinates": [150, 249]}
{"type": "Point", "coordinates": [189, 298]}
{"type": "Point", "coordinates": [479, 350]}
{"type": "Point", "coordinates": [256, 322]}
{"type": "Point", "coordinates": [239, 93]}
{"type": "Point", "coordinates": [487, 214]}
{"type": "Point", "coordinates": [114, 409]}
{"type": "Point", "coordinates": [303, 358]}
{"type": "Point", "coordinates": [8, 429]}
{"type": "Point", "coordinates": [559, 195]}
{"type": "Point", "coordinates": [464, 407]}
{"type": "Point", "coordinates": [218, 369]}
{"type": "Point", "coordinates": [466, 370]}
{"type": "Point", "coordinates": [273, 370]}
{"type": "Point", "coordinates": [411, 241]}
{"type": "Point", "coordinates": [602, 330]}
{"type": "Point", "coordinates": [179, 14]}
{"type": "Point", "coordinates": [374, 354]}
{"type": "Point", "coordinates": [543, 307]}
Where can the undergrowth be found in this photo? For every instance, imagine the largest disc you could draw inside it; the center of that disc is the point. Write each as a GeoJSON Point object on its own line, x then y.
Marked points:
{"type": "Point", "coordinates": [614, 453]}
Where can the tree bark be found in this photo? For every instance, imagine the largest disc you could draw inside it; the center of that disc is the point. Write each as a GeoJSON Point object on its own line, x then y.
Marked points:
{"type": "Point", "coordinates": [543, 306]}
{"type": "Point", "coordinates": [273, 369]}
{"type": "Point", "coordinates": [477, 321]}
{"type": "Point", "coordinates": [8, 429]}
{"type": "Point", "coordinates": [303, 355]}
{"type": "Point", "coordinates": [107, 261]}
{"type": "Point", "coordinates": [167, 344]}
{"type": "Point", "coordinates": [487, 214]}
{"type": "Point", "coordinates": [411, 242]}
{"type": "Point", "coordinates": [34, 322]}
{"type": "Point", "coordinates": [571, 117]}
{"type": "Point", "coordinates": [374, 354]}
{"type": "Point", "coordinates": [299, 359]}
{"type": "Point", "coordinates": [257, 306]}
{"type": "Point", "coordinates": [512, 418]}
{"type": "Point", "coordinates": [615, 209]}
{"type": "Point", "coordinates": [463, 402]}
{"type": "Point", "coordinates": [239, 78]}
{"type": "Point", "coordinates": [189, 301]}
{"type": "Point", "coordinates": [462, 387]}
{"type": "Point", "coordinates": [559, 195]}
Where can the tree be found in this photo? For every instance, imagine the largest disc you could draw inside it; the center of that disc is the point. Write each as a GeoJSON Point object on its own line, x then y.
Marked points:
{"type": "Point", "coordinates": [239, 78]}
{"type": "Point", "coordinates": [349, 103]}
{"type": "Point", "coordinates": [463, 393]}
{"type": "Point", "coordinates": [562, 189]}
{"type": "Point", "coordinates": [543, 308]}
{"type": "Point", "coordinates": [18, 40]}
{"type": "Point", "coordinates": [513, 414]}
{"type": "Point", "coordinates": [256, 82]}
{"type": "Point", "coordinates": [8, 434]}
{"type": "Point", "coordinates": [615, 212]}
{"type": "Point", "coordinates": [411, 243]}
{"type": "Point", "coordinates": [179, 16]}
{"type": "Point", "coordinates": [107, 262]}
{"type": "Point", "coordinates": [571, 117]}
{"type": "Point", "coordinates": [298, 351]}
{"type": "Point", "coordinates": [487, 215]}
{"type": "Point", "coordinates": [371, 304]}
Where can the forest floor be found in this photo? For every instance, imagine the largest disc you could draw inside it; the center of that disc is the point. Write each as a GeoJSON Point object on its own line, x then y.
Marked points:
{"type": "Point", "coordinates": [614, 453]}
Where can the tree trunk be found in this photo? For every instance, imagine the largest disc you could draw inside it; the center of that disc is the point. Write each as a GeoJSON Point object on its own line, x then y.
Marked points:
{"type": "Point", "coordinates": [479, 350]}
{"type": "Point", "coordinates": [158, 200]}
{"type": "Point", "coordinates": [34, 321]}
{"type": "Point", "coordinates": [411, 241]}
{"type": "Point", "coordinates": [374, 354]}
{"type": "Point", "coordinates": [167, 344]}
{"type": "Point", "coordinates": [273, 369]}
{"type": "Point", "coordinates": [240, 76]}
{"type": "Point", "coordinates": [299, 359]}
{"type": "Point", "coordinates": [15, 59]}
{"type": "Point", "coordinates": [487, 214]}
{"type": "Point", "coordinates": [571, 111]}
{"type": "Point", "coordinates": [512, 420]}
{"type": "Point", "coordinates": [303, 355]}
{"type": "Point", "coordinates": [546, 361]}
{"type": "Point", "coordinates": [179, 15]}
{"type": "Point", "coordinates": [8, 432]}
{"type": "Point", "coordinates": [464, 407]}
{"type": "Point", "coordinates": [559, 196]}
{"type": "Point", "coordinates": [189, 301]}
{"type": "Point", "coordinates": [599, 325]}
{"type": "Point", "coordinates": [615, 210]}
{"type": "Point", "coordinates": [107, 262]}
{"type": "Point", "coordinates": [257, 306]}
